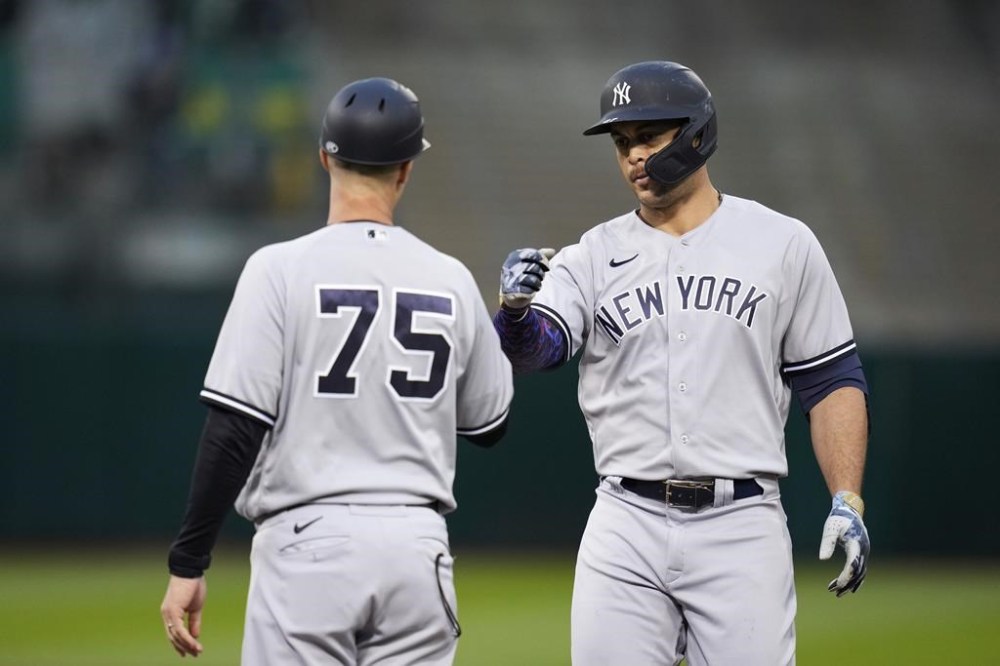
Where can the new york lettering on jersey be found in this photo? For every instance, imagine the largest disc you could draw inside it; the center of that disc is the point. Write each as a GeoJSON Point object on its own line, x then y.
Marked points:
{"type": "Point", "coordinates": [625, 311]}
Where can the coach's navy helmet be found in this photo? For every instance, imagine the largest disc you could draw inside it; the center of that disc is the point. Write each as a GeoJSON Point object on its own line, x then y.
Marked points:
{"type": "Point", "coordinates": [661, 90]}
{"type": "Point", "coordinates": [373, 121]}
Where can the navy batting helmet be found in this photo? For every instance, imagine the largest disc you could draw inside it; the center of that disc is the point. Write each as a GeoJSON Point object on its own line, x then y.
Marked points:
{"type": "Point", "coordinates": [660, 90]}
{"type": "Point", "coordinates": [373, 121]}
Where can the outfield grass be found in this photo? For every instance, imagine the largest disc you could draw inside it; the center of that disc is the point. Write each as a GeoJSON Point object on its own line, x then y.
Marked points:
{"type": "Point", "coordinates": [94, 609]}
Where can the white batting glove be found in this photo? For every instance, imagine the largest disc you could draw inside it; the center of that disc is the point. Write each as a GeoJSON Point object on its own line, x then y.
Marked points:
{"type": "Point", "coordinates": [844, 526]}
{"type": "Point", "coordinates": [521, 276]}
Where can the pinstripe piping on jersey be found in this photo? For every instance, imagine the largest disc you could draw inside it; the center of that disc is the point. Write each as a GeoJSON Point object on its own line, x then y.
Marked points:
{"type": "Point", "coordinates": [240, 406]}
{"type": "Point", "coordinates": [557, 319]}
{"type": "Point", "coordinates": [478, 430]}
{"type": "Point", "coordinates": [823, 359]}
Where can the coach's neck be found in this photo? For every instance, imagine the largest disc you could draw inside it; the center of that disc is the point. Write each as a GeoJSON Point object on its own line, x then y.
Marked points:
{"type": "Point", "coordinates": [365, 194]}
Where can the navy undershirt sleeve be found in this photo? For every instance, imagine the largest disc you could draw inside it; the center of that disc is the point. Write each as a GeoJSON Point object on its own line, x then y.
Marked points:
{"type": "Point", "coordinates": [226, 453]}
{"type": "Point", "coordinates": [812, 385]}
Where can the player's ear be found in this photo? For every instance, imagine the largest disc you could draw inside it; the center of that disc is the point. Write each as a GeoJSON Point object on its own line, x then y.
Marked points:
{"type": "Point", "coordinates": [403, 175]}
{"type": "Point", "coordinates": [324, 159]}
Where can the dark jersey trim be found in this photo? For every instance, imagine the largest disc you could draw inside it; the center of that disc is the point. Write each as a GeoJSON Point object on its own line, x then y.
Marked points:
{"type": "Point", "coordinates": [233, 404]}
{"type": "Point", "coordinates": [488, 438]}
{"type": "Point", "coordinates": [821, 360]}
{"type": "Point", "coordinates": [490, 425]}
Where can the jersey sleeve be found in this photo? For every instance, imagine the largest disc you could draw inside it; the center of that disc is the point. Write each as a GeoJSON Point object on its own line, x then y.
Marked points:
{"type": "Point", "coordinates": [245, 372]}
{"type": "Point", "coordinates": [566, 296]}
{"type": "Point", "coordinates": [486, 386]}
{"type": "Point", "coordinates": [819, 331]}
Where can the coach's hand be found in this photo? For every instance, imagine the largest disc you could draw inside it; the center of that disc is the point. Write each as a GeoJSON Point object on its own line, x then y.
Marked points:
{"type": "Point", "coordinates": [185, 596]}
{"type": "Point", "coordinates": [845, 527]}
{"type": "Point", "coordinates": [521, 276]}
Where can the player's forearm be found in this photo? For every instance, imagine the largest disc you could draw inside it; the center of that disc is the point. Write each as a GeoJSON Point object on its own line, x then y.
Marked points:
{"type": "Point", "coordinates": [839, 429]}
{"type": "Point", "coordinates": [529, 340]}
{"type": "Point", "coordinates": [226, 453]}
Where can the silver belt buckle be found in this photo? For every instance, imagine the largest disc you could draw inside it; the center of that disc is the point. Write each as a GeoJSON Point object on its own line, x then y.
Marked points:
{"type": "Point", "coordinates": [689, 485]}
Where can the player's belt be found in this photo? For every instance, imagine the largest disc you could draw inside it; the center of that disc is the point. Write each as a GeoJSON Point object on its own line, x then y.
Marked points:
{"type": "Point", "coordinates": [689, 494]}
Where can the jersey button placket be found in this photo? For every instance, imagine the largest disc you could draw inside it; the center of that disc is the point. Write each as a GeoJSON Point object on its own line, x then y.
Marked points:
{"type": "Point", "coordinates": [675, 386]}
{"type": "Point", "coordinates": [682, 388]}
{"type": "Point", "coordinates": [684, 245]}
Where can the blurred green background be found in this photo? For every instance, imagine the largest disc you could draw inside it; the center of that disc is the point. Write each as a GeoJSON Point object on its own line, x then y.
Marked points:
{"type": "Point", "coordinates": [147, 147]}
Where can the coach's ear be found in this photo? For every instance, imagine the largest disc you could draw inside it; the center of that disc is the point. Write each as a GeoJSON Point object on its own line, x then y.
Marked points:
{"type": "Point", "coordinates": [403, 175]}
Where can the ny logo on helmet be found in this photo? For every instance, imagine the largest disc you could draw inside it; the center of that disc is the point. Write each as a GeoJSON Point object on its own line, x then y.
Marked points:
{"type": "Point", "coordinates": [621, 94]}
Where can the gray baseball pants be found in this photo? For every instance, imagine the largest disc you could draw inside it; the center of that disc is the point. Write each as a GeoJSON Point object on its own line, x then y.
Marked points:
{"type": "Point", "coordinates": [656, 584]}
{"type": "Point", "coordinates": [351, 584]}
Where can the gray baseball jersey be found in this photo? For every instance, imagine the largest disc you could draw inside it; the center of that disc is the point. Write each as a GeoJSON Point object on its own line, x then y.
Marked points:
{"type": "Point", "coordinates": [365, 350]}
{"type": "Point", "coordinates": [685, 338]}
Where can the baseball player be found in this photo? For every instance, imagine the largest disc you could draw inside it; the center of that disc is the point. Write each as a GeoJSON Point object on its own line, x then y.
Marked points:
{"type": "Point", "coordinates": [697, 317]}
{"type": "Point", "coordinates": [347, 362]}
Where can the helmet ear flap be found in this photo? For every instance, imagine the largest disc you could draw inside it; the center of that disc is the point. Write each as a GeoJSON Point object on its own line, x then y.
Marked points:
{"type": "Point", "coordinates": [687, 153]}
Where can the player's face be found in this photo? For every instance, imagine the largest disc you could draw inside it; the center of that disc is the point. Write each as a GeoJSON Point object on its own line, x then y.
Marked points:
{"type": "Point", "coordinates": [635, 142]}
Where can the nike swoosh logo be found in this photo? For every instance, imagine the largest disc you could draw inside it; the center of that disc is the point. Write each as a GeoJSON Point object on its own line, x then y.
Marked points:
{"type": "Point", "coordinates": [298, 528]}
{"type": "Point", "coordinates": [616, 264]}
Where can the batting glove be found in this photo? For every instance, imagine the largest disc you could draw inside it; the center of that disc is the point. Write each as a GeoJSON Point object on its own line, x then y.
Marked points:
{"type": "Point", "coordinates": [521, 276]}
{"type": "Point", "coordinates": [844, 526]}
